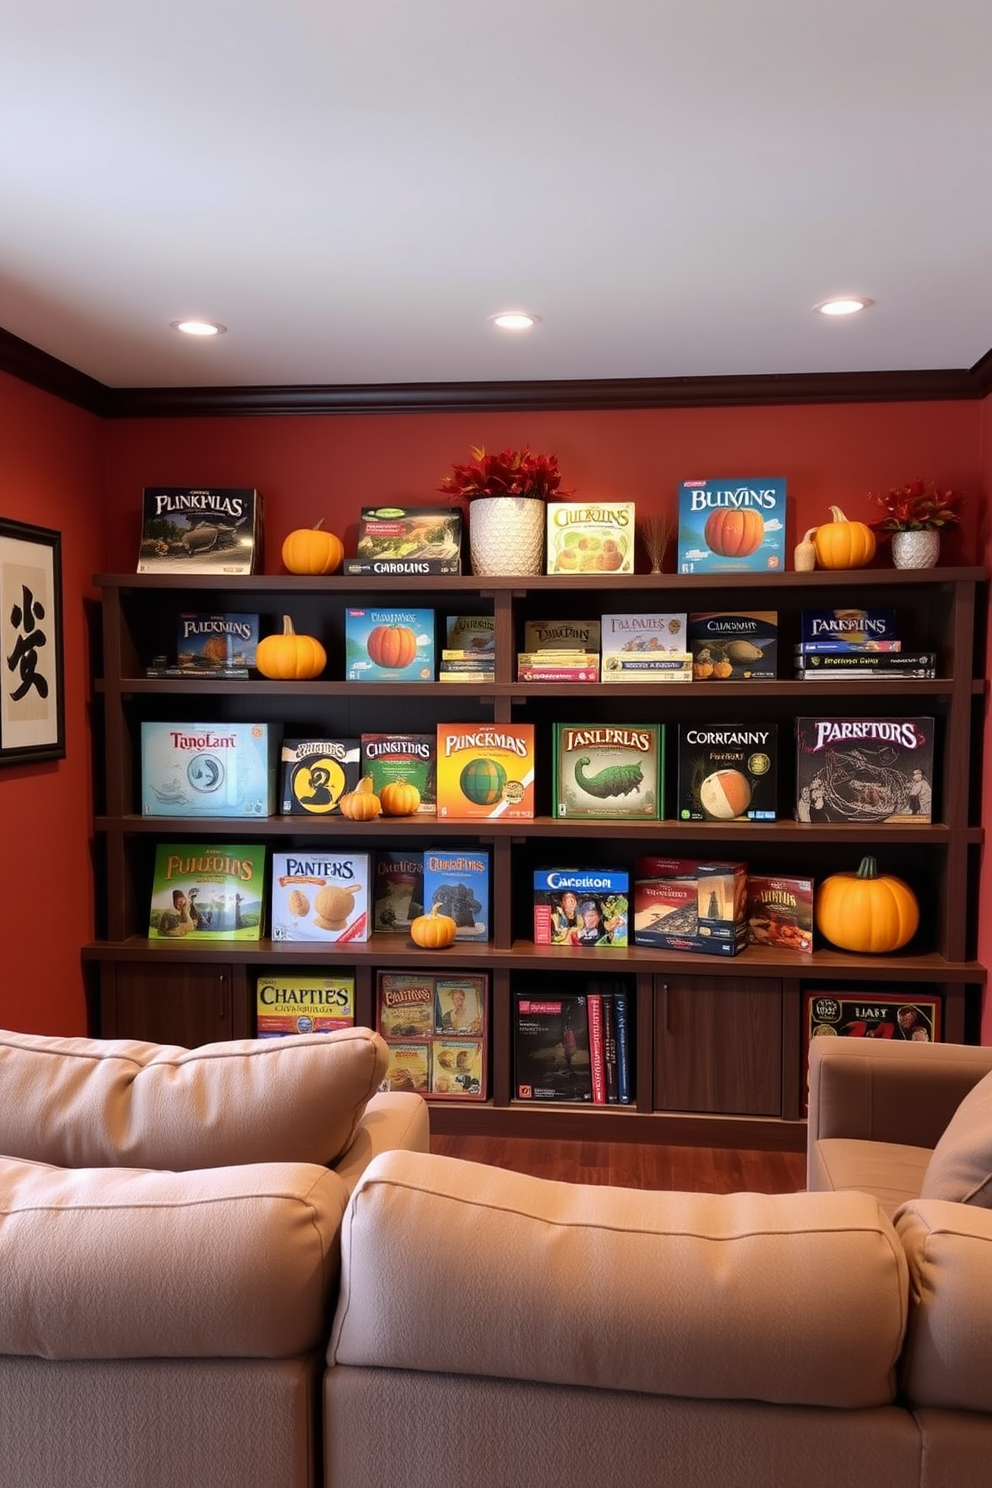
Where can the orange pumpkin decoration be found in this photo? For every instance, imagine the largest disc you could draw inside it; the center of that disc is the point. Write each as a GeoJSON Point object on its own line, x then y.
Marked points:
{"type": "Point", "coordinates": [843, 544]}
{"type": "Point", "coordinates": [362, 804]}
{"type": "Point", "coordinates": [393, 646]}
{"type": "Point", "coordinates": [433, 931]}
{"type": "Point", "coordinates": [866, 910]}
{"type": "Point", "coordinates": [308, 550]}
{"type": "Point", "coordinates": [289, 657]}
{"type": "Point", "coordinates": [399, 798]}
{"type": "Point", "coordinates": [734, 531]}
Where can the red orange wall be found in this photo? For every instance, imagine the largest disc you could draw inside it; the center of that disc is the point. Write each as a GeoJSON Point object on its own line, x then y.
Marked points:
{"type": "Point", "coordinates": [985, 547]}
{"type": "Point", "coordinates": [51, 474]}
{"type": "Point", "coordinates": [66, 469]}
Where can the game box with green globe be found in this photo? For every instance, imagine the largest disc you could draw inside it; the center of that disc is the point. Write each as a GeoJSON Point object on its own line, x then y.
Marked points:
{"type": "Point", "coordinates": [485, 770]}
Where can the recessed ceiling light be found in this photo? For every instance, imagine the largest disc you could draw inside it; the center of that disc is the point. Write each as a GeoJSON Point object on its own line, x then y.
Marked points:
{"type": "Point", "coordinates": [198, 327]}
{"type": "Point", "coordinates": [843, 305]}
{"type": "Point", "coordinates": [514, 320]}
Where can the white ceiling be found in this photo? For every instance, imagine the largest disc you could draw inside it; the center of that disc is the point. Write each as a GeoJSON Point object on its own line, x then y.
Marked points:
{"type": "Point", "coordinates": [353, 188]}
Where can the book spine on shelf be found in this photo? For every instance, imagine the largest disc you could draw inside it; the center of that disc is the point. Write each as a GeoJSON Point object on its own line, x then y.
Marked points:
{"type": "Point", "coordinates": [594, 1007]}
{"type": "Point", "coordinates": [624, 1051]}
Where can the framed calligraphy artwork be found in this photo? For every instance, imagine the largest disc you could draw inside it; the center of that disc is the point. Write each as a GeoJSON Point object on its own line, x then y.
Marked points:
{"type": "Point", "coordinates": [32, 709]}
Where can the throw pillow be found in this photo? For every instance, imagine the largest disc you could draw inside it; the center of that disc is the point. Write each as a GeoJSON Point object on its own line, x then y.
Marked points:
{"type": "Point", "coordinates": [961, 1166]}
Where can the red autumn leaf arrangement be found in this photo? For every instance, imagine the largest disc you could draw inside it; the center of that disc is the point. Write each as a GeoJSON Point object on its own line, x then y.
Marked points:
{"type": "Point", "coordinates": [916, 506]}
{"type": "Point", "coordinates": [509, 473]}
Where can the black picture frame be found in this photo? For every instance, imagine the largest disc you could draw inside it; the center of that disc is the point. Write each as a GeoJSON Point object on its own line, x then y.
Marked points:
{"type": "Point", "coordinates": [32, 703]}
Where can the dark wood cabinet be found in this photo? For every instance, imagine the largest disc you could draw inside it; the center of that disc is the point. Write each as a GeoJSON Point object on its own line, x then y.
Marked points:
{"type": "Point", "coordinates": [719, 1040]}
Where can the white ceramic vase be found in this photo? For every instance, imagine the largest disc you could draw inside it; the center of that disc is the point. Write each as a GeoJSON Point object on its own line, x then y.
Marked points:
{"type": "Point", "coordinates": [919, 549]}
{"type": "Point", "coordinates": [506, 534]}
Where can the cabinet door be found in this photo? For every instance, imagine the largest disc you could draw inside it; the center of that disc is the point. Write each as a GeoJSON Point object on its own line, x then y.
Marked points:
{"type": "Point", "coordinates": [178, 1004]}
{"type": "Point", "coordinates": [718, 1045]}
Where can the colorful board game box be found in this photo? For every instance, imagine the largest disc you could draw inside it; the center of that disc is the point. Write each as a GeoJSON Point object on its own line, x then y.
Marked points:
{"type": "Point", "coordinates": [473, 633]}
{"type": "Point", "coordinates": [405, 1004]}
{"type": "Point", "coordinates": [780, 911]}
{"type": "Point", "coordinates": [456, 879]}
{"type": "Point", "coordinates": [685, 904]}
{"type": "Point", "coordinates": [581, 906]}
{"type": "Point", "coordinates": [590, 537]}
{"type": "Point", "coordinates": [726, 526]}
{"type": "Point", "coordinates": [485, 770]}
{"type": "Point", "coordinates": [216, 643]}
{"type": "Point", "coordinates": [460, 1005]}
{"type": "Point", "coordinates": [407, 540]}
{"type": "Point", "coordinates": [727, 772]}
{"type": "Point", "coordinates": [320, 896]}
{"type": "Point", "coordinates": [603, 771]}
{"type": "Point", "coordinates": [389, 645]}
{"type": "Point", "coordinates": [734, 645]}
{"type": "Point", "coordinates": [645, 648]}
{"type": "Point", "coordinates": [409, 1069]}
{"type": "Point", "coordinates": [458, 1069]}
{"type": "Point", "coordinates": [200, 530]}
{"type": "Point", "coordinates": [306, 1003]}
{"type": "Point", "coordinates": [207, 891]}
{"type": "Point", "coordinates": [861, 628]}
{"type": "Point", "coordinates": [864, 769]}
{"type": "Point", "coordinates": [316, 773]}
{"type": "Point", "coordinates": [551, 1059]}
{"type": "Point", "coordinates": [870, 1013]}
{"type": "Point", "coordinates": [409, 757]}
{"type": "Point", "coordinates": [209, 769]}
{"type": "Point", "coordinates": [398, 890]}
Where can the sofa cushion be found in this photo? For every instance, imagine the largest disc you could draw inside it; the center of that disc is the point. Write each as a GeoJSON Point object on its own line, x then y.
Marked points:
{"type": "Point", "coordinates": [115, 1263]}
{"type": "Point", "coordinates": [455, 1267]}
{"type": "Point", "coordinates": [891, 1171]}
{"type": "Point", "coordinates": [78, 1102]}
{"type": "Point", "coordinates": [947, 1359]}
{"type": "Point", "coordinates": [961, 1166]}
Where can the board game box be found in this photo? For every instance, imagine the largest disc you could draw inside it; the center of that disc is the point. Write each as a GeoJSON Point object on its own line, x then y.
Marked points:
{"type": "Point", "coordinates": [407, 540]}
{"type": "Point", "coordinates": [207, 891]}
{"type": "Point", "coordinates": [485, 770]}
{"type": "Point", "coordinates": [405, 1004]}
{"type": "Point", "coordinates": [409, 1069]}
{"type": "Point", "coordinates": [551, 1047]}
{"type": "Point", "coordinates": [727, 772]}
{"type": "Point", "coordinates": [306, 1003]}
{"type": "Point", "coordinates": [460, 1005]}
{"type": "Point", "coordinates": [398, 890]}
{"type": "Point", "coordinates": [861, 628]}
{"type": "Point", "coordinates": [456, 879]}
{"type": "Point", "coordinates": [581, 906]}
{"type": "Point", "coordinates": [864, 769]}
{"type": "Point", "coordinates": [458, 1069]}
{"type": "Point", "coordinates": [200, 530]}
{"type": "Point", "coordinates": [590, 537]}
{"type": "Point", "coordinates": [389, 645]}
{"type": "Point", "coordinates": [446, 1017]}
{"type": "Point", "coordinates": [212, 644]}
{"type": "Point", "coordinates": [209, 769]}
{"type": "Point", "coordinates": [601, 771]}
{"type": "Point", "coordinates": [409, 757]}
{"type": "Point", "coordinates": [726, 526]}
{"type": "Point", "coordinates": [562, 635]}
{"type": "Point", "coordinates": [734, 645]}
{"type": "Point", "coordinates": [473, 633]}
{"type": "Point", "coordinates": [645, 648]}
{"type": "Point", "coordinates": [320, 896]}
{"type": "Point", "coordinates": [780, 912]}
{"type": "Point", "coordinates": [685, 904]}
{"type": "Point", "coordinates": [316, 773]}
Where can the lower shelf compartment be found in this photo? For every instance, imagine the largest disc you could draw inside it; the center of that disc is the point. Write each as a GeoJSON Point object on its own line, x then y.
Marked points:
{"type": "Point", "coordinates": [585, 1123]}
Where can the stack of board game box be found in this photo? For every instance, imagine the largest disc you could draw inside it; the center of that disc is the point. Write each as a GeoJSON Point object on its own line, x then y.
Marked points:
{"type": "Point", "coordinates": [559, 651]}
{"type": "Point", "coordinates": [645, 648]}
{"type": "Point", "coordinates": [436, 1027]}
{"type": "Point", "coordinates": [469, 653]}
{"type": "Point", "coordinates": [857, 644]}
{"type": "Point", "coordinates": [574, 1046]}
{"type": "Point", "coordinates": [210, 645]}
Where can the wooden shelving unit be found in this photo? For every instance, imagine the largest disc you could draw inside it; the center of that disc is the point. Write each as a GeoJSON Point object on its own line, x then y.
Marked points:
{"type": "Point", "coordinates": [718, 1042]}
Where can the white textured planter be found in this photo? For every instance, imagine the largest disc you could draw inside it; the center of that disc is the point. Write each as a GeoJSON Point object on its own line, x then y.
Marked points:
{"type": "Point", "coordinates": [506, 535]}
{"type": "Point", "coordinates": [916, 549]}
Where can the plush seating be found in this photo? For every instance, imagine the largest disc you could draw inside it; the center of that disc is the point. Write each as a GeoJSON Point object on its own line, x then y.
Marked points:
{"type": "Point", "coordinates": [521, 1330]}
{"type": "Point", "coordinates": [169, 1252]}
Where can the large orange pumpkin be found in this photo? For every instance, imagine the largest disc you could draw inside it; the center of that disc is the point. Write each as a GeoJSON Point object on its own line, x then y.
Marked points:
{"type": "Point", "coordinates": [309, 550]}
{"type": "Point", "coordinates": [866, 910]}
{"type": "Point", "coordinates": [289, 657]}
{"type": "Point", "coordinates": [843, 544]}
{"type": "Point", "coordinates": [393, 646]}
{"type": "Point", "coordinates": [734, 531]}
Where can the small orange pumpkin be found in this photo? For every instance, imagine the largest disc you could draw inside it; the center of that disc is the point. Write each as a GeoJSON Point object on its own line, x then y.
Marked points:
{"type": "Point", "coordinates": [308, 550]}
{"type": "Point", "coordinates": [362, 804]}
{"type": "Point", "coordinates": [433, 931]}
{"type": "Point", "coordinates": [289, 656]}
{"type": "Point", "coordinates": [393, 646]}
{"type": "Point", "coordinates": [734, 531]}
{"type": "Point", "coordinates": [843, 544]}
{"type": "Point", "coordinates": [866, 910]}
{"type": "Point", "coordinates": [399, 798]}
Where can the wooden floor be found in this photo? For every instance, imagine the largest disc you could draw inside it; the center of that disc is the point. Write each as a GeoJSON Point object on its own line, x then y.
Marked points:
{"type": "Point", "coordinates": [635, 1164]}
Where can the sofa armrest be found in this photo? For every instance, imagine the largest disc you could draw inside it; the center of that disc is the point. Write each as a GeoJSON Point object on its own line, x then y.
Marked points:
{"type": "Point", "coordinates": [874, 1090]}
{"type": "Point", "coordinates": [392, 1121]}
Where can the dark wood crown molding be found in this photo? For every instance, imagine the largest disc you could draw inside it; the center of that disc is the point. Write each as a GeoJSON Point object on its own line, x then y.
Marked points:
{"type": "Point", "coordinates": [37, 367]}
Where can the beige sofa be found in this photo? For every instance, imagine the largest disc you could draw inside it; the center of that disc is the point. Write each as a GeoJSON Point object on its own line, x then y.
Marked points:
{"type": "Point", "coordinates": [169, 1250]}
{"type": "Point", "coordinates": [509, 1330]}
